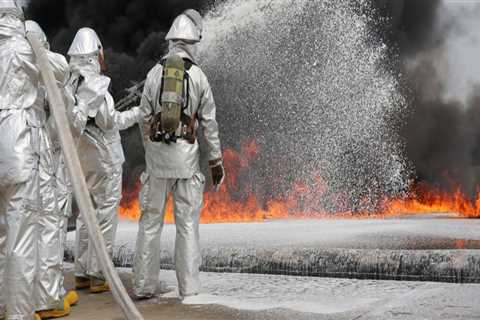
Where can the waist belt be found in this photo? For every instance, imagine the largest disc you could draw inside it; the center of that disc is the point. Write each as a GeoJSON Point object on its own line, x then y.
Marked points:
{"type": "Point", "coordinates": [186, 130]}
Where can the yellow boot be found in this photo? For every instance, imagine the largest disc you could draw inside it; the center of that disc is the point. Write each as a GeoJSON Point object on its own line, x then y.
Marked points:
{"type": "Point", "coordinates": [98, 285]}
{"type": "Point", "coordinates": [72, 298]}
{"type": "Point", "coordinates": [37, 317]}
{"type": "Point", "coordinates": [82, 283]}
{"type": "Point", "coordinates": [55, 313]}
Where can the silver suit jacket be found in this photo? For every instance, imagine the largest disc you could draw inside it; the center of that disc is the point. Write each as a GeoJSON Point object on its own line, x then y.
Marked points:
{"type": "Point", "coordinates": [48, 145]}
{"type": "Point", "coordinates": [22, 113]}
{"type": "Point", "coordinates": [180, 160]}
{"type": "Point", "coordinates": [99, 142]}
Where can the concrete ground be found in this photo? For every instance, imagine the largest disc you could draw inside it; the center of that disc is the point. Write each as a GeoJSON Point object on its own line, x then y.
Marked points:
{"type": "Point", "coordinates": [103, 306]}
{"type": "Point", "coordinates": [264, 297]}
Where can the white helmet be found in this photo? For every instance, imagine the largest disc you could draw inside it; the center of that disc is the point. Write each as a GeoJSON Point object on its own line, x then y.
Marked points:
{"type": "Point", "coordinates": [86, 42]}
{"type": "Point", "coordinates": [11, 7]}
{"type": "Point", "coordinates": [34, 28]}
{"type": "Point", "coordinates": [187, 26]}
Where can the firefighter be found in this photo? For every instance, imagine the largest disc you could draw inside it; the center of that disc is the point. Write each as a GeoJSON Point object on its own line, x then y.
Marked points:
{"type": "Point", "coordinates": [51, 299]}
{"type": "Point", "coordinates": [97, 126]}
{"type": "Point", "coordinates": [24, 166]}
{"type": "Point", "coordinates": [178, 98]}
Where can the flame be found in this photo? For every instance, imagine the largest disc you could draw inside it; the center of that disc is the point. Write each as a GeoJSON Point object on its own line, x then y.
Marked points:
{"type": "Point", "coordinates": [232, 204]}
{"type": "Point", "coordinates": [218, 206]}
{"type": "Point", "coordinates": [426, 200]}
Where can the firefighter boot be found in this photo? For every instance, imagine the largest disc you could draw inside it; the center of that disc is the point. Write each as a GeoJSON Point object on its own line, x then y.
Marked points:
{"type": "Point", "coordinates": [98, 285]}
{"type": "Point", "coordinates": [82, 283]}
{"type": "Point", "coordinates": [72, 298]}
{"type": "Point", "coordinates": [60, 312]}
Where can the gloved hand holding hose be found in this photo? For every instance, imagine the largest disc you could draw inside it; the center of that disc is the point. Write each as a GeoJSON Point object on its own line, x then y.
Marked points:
{"type": "Point", "coordinates": [218, 173]}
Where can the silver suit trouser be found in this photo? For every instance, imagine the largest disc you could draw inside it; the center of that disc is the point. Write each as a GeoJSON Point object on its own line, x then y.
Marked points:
{"type": "Point", "coordinates": [63, 188]}
{"type": "Point", "coordinates": [49, 289]}
{"type": "Point", "coordinates": [106, 192]}
{"type": "Point", "coordinates": [19, 211]}
{"type": "Point", "coordinates": [188, 204]}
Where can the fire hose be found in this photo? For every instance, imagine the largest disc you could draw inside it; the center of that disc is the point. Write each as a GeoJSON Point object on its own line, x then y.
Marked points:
{"type": "Point", "coordinates": [80, 189]}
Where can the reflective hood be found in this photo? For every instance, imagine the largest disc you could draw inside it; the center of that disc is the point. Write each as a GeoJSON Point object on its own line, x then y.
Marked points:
{"type": "Point", "coordinates": [195, 16]}
{"type": "Point", "coordinates": [183, 49]}
{"type": "Point", "coordinates": [86, 42]}
{"type": "Point", "coordinates": [187, 26]}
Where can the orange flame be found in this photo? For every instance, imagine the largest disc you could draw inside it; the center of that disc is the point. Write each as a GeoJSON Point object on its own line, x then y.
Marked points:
{"type": "Point", "coordinates": [223, 206]}
{"type": "Point", "coordinates": [431, 200]}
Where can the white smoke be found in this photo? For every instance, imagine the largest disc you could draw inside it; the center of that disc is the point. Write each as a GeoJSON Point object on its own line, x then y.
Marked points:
{"type": "Point", "coordinates": [456, 55]}
{"type": "Point", "coordinates": [461, 21]}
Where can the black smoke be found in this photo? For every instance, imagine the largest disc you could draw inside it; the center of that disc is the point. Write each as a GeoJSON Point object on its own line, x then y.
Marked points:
{"type": "Point", "coordinates": [442, 137]}
{"type": "Point", "coordinates": [133, 34]}
{"type": "Point", "coordinates": [410, 24]}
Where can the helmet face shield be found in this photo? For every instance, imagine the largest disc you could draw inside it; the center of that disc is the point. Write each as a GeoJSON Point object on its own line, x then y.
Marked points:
{"type": "Point", "coordinates": [86, 42]}
{"type": "Point", "coordinates": [185, 28]}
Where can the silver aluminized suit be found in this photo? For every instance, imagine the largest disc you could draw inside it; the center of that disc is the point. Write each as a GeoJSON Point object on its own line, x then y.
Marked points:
{"type": "Point", "coordinates": [101, 154]}
{"type": "Point", "coordinates": [174, 168]}
{"type": "Point", "coordinates": [49, 285]}
{"type": "Point", "coordinates": [24, 169]}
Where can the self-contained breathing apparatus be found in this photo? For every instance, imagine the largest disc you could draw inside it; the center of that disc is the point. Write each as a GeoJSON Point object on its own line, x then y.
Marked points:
{"type": "Point", "coordinates": [171, 122]}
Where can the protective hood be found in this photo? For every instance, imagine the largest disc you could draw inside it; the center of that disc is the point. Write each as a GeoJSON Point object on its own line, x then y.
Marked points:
{"type": "Point", "coordinates": [187, 26]}
{"type": "Point", "coordinates": [31, 27]}
{"type": "Point", "coordinates": [183, 49]}
{"type": "Point", "coordinates": [86, 42]}
{"type": "Point", "coordinates": [195, 16]}
{"type": "Point", "coordinates": [12, 8]}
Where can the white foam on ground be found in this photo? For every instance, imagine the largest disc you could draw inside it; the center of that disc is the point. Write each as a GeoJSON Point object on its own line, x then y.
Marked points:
{"type": "Point", "coordinates": [334, 298]}
{"type": "Point", "coordinates": [415, 300]}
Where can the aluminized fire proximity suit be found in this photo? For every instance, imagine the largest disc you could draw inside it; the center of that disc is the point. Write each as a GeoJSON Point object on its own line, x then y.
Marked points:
{"type": "Point", "coordinates": [24, 167]}
{"type": "Point", "coordinates": [101, 154]}
{"type": "Point", "coordinates": [174, 168]}
{"type": "Point", "coordinates": [49, 288]}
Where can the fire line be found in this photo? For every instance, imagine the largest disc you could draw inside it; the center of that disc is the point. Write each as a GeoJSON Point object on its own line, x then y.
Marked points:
{"type": "Point", "coordinates": [222, 207]}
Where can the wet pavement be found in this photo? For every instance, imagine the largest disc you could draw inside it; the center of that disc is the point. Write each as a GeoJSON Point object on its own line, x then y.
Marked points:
{"type": "Point", "coordinates": [264, 297]}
